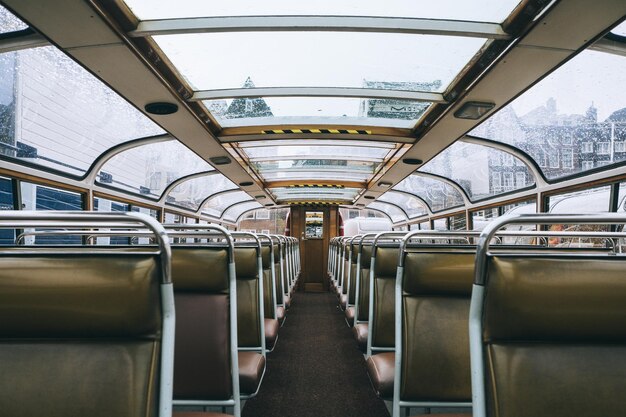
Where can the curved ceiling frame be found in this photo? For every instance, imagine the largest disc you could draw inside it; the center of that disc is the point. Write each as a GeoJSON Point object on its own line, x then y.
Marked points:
{"type": "Point", "coordinates": [107, 155]}
{"type": "Point", "coordinates": [429, 211]}
{"type": "Point", "coordinates": [531, 164]}
{"type": "Point", "coordinates": [251, 200]}
{"type": "Point", "coordinates": [208, 198]}
{"type": "Point", "coordinates": [446, 180]}
{"type": "Point", "coordinates": [406, 215]}
{"type": "Point", "coordinates": [181, 180]}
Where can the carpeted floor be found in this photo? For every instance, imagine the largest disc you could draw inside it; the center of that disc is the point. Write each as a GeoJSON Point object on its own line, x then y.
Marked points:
{"type": "Point", "coordinates": [316, 369]}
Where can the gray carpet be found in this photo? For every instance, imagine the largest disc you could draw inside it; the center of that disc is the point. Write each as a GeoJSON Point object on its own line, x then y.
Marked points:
{"type": "Point", "coordinates": [316, 369]}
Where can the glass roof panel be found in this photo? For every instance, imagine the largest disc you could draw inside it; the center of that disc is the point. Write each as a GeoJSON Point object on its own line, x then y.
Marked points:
{"type": "Point", "coordinates": [298, 165]}
{"type": "Point", "coordinates": [191, 193]}
{"type": "Point", "coordinates": [410, 204]}
{"type": "Point", "coordinates": [9, 22]}
{"type": "Point", "coordinates": [572, 121]}
{"type": "Point", "coordinates": [353, 59]}
{"type": "Point", "coordinates": [149, 169]}
{"type": "Point", "coordinates": [437, 194]}
{"type": "Point", "coordinates": [620, 30]}
{"type": "Point", "coordinates": [216, 205]}
{"type": "Point", "coordinates": [67, 117]}
{"type": "Point", "coordinates": [314, 194]}
{"type": "Point", "coordinates": [234, 212]}
{"type": "Point", "coordinates": [327, 174]}
{"type": "Point", "coordinates": [481, 171]}
{"type": "Point", "coordinates": [316, 110]}
{"type": "Point", "coordinates": [393, 212]}
{"type": "Point", "coordinates": [484, 10]}
{"type": "Point", "coordinates": [323, 149]}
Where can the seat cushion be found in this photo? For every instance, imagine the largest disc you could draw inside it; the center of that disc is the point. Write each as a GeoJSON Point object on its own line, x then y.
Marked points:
{"type": "Point", "coordinates": [251, 367]}
{"type": "Point", "coordinates": [271, 333]}
{"type": "Point", "coordinates": [350, 316]}
{"type": "Point", "coordinates": [360, 331]}
{"type": "Point", "coordinates": [440, 415]}
{"type": "Point", "coordinates": [198, 414]}
{"type": "Point", "coordinates": [380, 368]}
{"type": "Point", "coordinates": [280, 313]}
{"type": "Point", "coordinates": [287, 301]}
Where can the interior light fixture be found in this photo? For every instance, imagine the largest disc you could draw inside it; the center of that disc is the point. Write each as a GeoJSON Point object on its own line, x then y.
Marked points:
{"type": "Point", "coordinates": [161, 108]}
{"type": "Point", "coordinates": [412, 161]}
{"type": "Point", "coordinates": [260, 197]}
{"type": "Point", "coordinates": [246, 183]}
{"type": "Point", "coordinates": [220, 160]}
{"type": "Point", "coordinates": [269, 204]}
{"type": "Point", "coordinates": [473, 110]}
{"type": "Point", "coordinates": [369, 197]}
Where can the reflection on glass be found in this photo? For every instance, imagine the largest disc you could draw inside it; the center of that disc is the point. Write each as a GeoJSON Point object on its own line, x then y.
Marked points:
{"type": "Point", "coordinates": [483, 10]}
{"type": "Point", "coordinates": [437, 194]}
{"type": "Point", "coordinates": [411, 205]}
{"type": "Point", "coordinates": [316, 175]}
{"type": "Point", "coordinates": [572, 121]}
{"type": "Point", "coordinates": [593, 200]}
{"type": "Point", "coordinates": [309, 164]}
{"type": "Point", "coordinates": [106, 205]}
{"type": "Point", "coordinates": [67, 117]}
{"type": "Point", "coordinates": [393, 212]}
{"type": "Point", "coordinates": [7, 236]}
{"type": "Point", "coordinates": [265, 221]}
{"type": "Point", "coordinates": [440, 224]}
{"type": "Point", "coordinates": [316, 110]}
{"type": "Point", "coordinates": [458, 222]}
{"type": "Point", "coordinates": [191, 193]}
{"type": "Point", "coordinates": [10, 23]}
{"type": "Point", "coordinates": [149, 169]}
{"type": "Point", "coordinates": [314, 226]}
{"type": "Point", "coordinates": [481, 171]}
{"type": "Point", "coordinates": [38, 197]}
{"type": "Point", "coordinates": [345, 59]}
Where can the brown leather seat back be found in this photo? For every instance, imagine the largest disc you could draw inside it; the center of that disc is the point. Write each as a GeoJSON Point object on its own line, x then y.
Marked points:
{"type": "Point", "coordinates": [437, 287]}
{"type": "Point", "coordinates": [248, 308]}
{"type": "Point", "coordinates": [346, 268]}
{"type": "Point", "coordinates": [364, 283]}
{"type": "Point", "coordinates": [277, 274]}
{"type": "Point", "coordinates": [382, 328]}
{"type": "Point", "coordinates": [202, 362]}
{"type": "Point", "coordinates": [354, 248]}
{"type": "Point", "coordinates": [269, 304]}
{"type": "Point", "coordinates": [555, 335]}
{"type": "Point", "coordinates": [80, 334]}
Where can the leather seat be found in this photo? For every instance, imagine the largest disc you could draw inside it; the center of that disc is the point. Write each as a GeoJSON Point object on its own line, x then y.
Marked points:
{"type": "Point", "coordinates": [198, 414]}
{"type": "Point", "coordinates": [280, 313]}
{"type": "Point", "coordinates": [251, 366]}
{"type": "Point", "coordinates": [343, 301]}
{"type": "Point", "coordinates": [271, 333]}
{"type": "Point", "coordinates": [442, 415]}
{"type": "Point", "coordinates": [360, 331]}
{"type": "Point", "coordinates": [287, 301]}
{"type": "Point", "coordinates": [381, 368]}
{"type": "Point", "coordinates": [350, 316]}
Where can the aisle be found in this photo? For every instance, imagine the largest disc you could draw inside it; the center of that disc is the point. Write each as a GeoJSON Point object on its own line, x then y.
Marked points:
{"type": "Point", "coordinates": [316, 369]}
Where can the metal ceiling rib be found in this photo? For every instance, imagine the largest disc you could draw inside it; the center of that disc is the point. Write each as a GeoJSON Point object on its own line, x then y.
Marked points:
{"type": "Point", "coordinates": [319, 24]}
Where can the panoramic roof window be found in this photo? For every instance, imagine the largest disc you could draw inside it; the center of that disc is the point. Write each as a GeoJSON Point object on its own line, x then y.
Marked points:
{"type": "Point", "coordinates": [572, 121]}
{"type": "Point", "coordinates": [149, 169]}
{"type": "Point", "coordinates": [316, 110]}
{"type": "Point", "coordinates": [389, 61]}
{"type": "Point", "coordinates": [67, 117]}
{"type": "Point", "coordinates": [314, 194]}
{"type": "Point", "coordinates": [10, 23]}
{"type": "Point", "coordinates": [191, 193]}
{"type": "Point", "coordinates": [482, 171]}
{"type": "Point", "coordinates": [411, 205]}
{"type": "Point", "coordinates": [484, 10]}
{"type": "Point", "coordinates": [436, 193]}
{"type": "Point", "coordinates": [215, 206]}
{"type": "Point", "coordinates": [325, 149]}
{"type": "Point", "coordinates": [395, 213]}
{"type": "Point", "coordinates": [620, 30]}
